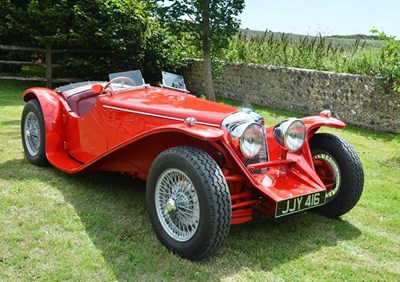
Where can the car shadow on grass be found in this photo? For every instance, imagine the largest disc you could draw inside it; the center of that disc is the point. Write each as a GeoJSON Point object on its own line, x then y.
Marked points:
{"type": "Point", "coordinates": [265, 243]}
{"type": "Point", "coordinates": [113, 211]}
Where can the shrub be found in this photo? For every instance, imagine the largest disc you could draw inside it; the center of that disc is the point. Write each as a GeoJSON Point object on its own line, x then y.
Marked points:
{"type": "Point", "coordinates": [389, 70]}
{"type": "Point", "coordinates": [126, 27]}
{"type": "Point", "coordinates": [303, 52]}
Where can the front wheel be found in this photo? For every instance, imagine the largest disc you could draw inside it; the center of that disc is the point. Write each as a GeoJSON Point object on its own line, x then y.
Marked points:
{"type": "Point", "coordinates": [188, 202]}
{"type": "Point", "coordinates": [339, 167]}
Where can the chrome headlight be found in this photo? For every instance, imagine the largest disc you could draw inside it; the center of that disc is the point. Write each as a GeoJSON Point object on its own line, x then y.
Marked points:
{"type": "Point", "coordinates": [250, 137]}
{"type": "Point", "coordinates": [246, 132]}
{"type": "Point", "coordinates": [290, 134]}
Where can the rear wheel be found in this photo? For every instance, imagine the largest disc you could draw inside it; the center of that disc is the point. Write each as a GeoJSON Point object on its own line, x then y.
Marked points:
{"type": "Point", "coordinates": [339, 167]}
{"type": "Point", "coordinates": [33, 133]}
{"type": "Point", "coordinates": [188, 202]}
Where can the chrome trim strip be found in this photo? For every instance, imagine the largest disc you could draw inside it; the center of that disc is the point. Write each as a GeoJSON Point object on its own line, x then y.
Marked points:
{"type": "Point", "coordinates": [155, 115]}
{"type": "Point", "coordinates": [208, 124]}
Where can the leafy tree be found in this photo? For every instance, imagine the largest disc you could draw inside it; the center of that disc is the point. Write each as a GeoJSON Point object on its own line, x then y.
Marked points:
{"type": "Point", "coordinates": [13, 30]}
{"type": "Point", "coordinates": [389, 71]}
{"type": "Point", "coordinates": [127, 27]}
{"type": "Point", "coordinates": [210, 22]}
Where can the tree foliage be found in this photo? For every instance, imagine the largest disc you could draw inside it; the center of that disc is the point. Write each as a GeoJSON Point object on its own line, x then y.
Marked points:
{"type": "Point", "coordinates": [186, 15]}
{"type": "Point", "coordinates": [126, 27]}
{"type": "Point", "coordinates": [389, 70]}
{"type": "Point", "coordinates": [211, 24]}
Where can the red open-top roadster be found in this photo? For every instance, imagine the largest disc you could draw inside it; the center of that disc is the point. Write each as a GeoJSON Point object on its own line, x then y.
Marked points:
{"type": "Point", "coordinates": [207, 165]}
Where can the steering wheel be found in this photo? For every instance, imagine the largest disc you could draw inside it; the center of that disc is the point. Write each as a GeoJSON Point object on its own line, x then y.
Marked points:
{"type": "Point", "coordinates": [121, 81]}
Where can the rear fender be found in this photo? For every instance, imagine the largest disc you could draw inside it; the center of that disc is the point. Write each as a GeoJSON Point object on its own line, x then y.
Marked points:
{"type": "Point", "coordinates": [52, 113]}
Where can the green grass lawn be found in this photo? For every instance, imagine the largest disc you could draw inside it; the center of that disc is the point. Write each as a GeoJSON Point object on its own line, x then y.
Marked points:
{"type": "Point", "coordinates": [94, 226]}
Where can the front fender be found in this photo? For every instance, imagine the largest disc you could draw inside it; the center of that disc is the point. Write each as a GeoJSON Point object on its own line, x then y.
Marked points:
{"type": "Point", "coordinates": [201, 132]}
{"type": "Point", "coordinates": [52, 115]}
{"type": "Point", "coordinates": [135, 155]}
{"type": "Point", "coordinates": [313, 123]}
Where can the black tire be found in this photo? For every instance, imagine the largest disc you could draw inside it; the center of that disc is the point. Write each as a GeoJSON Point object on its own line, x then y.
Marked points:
{"type": "Point", "coordinates": [199, 203]}
{"type": "Point", "coordinates": [343, 192]}
{"type": "Point", "coordinates": [33, 133]}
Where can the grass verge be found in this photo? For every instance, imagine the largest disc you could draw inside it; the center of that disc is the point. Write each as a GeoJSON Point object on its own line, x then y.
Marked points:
{"type": "Point", "coordinates": [94, 226]}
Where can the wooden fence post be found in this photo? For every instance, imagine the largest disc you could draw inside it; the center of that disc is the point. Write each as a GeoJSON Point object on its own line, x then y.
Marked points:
{"type": "Point", "coordinates": [48, 66]}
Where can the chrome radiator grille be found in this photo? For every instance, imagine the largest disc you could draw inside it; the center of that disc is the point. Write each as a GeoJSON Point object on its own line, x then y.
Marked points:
{"type": "Point", "coordinates": [260, 158]}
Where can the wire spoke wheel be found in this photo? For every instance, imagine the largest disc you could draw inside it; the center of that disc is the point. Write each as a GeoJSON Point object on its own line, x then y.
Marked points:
{"type": "Point", "coordinates": [188, 202]}
{"type": "Point", "coordinates": [340, 170]}
{"type": "Point", "coordinates": [328, 170]}
{"type": "Point", "coordinates": [177, 205]}
{"type": "Point", "coordinates": [32, 134]}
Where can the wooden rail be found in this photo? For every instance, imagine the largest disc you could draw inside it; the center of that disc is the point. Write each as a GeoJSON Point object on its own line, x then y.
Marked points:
{"type": "Point", "coordinates": [48, 51]}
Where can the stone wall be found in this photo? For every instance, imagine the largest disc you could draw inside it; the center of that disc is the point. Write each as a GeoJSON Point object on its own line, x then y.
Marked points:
{"type": "Point", "coordinates": [352, 98]}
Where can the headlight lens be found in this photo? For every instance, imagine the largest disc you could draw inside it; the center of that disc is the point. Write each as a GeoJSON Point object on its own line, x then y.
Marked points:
{"type": "Point", "coordinates": [251, 141]}
{"type": "Point", "coordinates": [290, 134]}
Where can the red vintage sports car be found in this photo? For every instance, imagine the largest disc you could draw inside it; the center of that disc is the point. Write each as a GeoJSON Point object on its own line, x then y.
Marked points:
{"type": "Point", "coordinates": [207, 165]}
